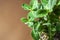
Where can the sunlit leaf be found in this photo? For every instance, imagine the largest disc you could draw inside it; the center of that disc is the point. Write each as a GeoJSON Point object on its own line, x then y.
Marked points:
{"type": "Point", "coordinates": [59, 2]}
{"type": "Point", "coordinates": [26, 7]}
{"type": "Point", "coordinates": [48, 4]}
{"type": "Point", "coordinates": [30, 24]}
{"type": "Point", "coordinates": [24, 20]}
{"type": "Point", "coordinates": [34, 4]}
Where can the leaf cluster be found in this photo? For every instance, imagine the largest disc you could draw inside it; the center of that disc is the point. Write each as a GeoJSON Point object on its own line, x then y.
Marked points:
{"type": "Point", "coordinates": [43, 16]}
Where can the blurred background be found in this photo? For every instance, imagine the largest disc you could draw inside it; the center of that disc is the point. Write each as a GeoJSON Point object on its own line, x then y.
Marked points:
{"type": "Point", "coordinates": [11, 28]}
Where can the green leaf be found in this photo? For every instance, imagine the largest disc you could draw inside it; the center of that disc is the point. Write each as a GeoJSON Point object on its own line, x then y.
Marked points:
{"type": "Point", "coordinates": [56, 10]}
{"type": "Point", "coordinates": [38, 25]}
{"type": "Point", "coordinates": [30, 16]}
{"type": "Point", "coordinates": [48, 4]}
{"type": "Point", "coordinates": [53, 29]}
{"type": "Point", "coordinates": [37, 14]}
{"type": "Point", "coordinates": [46, 24]}
{"type": "Point", "coordinates": [34, 4]}
{"type": "Point", "coordinates": [30, 24]}
{"type": "Point", "coordinates": [26, 7]}
{"type": "Point", "coordinates": [59, 2]}
{"type": "Point", "coordinates": [58, 26]}
{"type": "Point", "coordinates": [42, 13]}
{"type": "Point", "coordinates": [45, 18]}
{"type": "Point", "coordinates": [24, 20]}
{"type": "Point", "coordinates": [35, 35]}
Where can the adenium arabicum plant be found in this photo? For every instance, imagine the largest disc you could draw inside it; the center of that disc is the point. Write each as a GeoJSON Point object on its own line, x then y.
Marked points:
{"type": "Point", "coordinates": [43, 18]}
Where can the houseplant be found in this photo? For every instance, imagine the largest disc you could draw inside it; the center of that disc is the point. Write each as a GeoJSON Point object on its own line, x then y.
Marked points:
{"type": "Point", "coordinates": [43, 18]}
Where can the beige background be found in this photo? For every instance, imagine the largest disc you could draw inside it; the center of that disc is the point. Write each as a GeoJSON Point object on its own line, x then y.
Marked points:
{"type": "Point", "coordinates": [11, 28]}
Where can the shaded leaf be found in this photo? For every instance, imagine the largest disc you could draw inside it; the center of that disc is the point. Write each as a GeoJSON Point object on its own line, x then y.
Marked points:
{"type": "Point", "coordinates": [42, 13]}
{"type": "Point", "coordinates": [58, 26]}
{"type": "Point", "coordinates": [35, 35]}
{"type": "Point", "coordinates": [56, 10]}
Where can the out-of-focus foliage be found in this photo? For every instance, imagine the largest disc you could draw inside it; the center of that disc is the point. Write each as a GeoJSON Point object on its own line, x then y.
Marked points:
{"type": "Point", "coordinates": [43, 17]}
